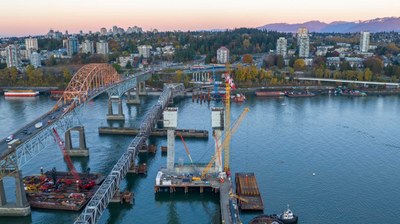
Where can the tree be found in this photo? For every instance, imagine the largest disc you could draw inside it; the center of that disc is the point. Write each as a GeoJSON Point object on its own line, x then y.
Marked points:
{"type": "Point", "coordinates": [299, 65]}
{"type": "Point", "coordinates": [280, 62]}
{"type": "Point", "coordinates": [179, 75]}
{"type": "Point", "coordinates": [375, 64]}
{"type": "Point", "coordinates": [367, 75]}
{"type": "Point", "coordinates": [247, 58]}
{"type": "Point", "coordinates": [117, 67]}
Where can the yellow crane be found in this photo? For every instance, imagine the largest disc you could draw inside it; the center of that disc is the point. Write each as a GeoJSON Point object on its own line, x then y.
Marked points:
{"type": "Point", "coordinates": [227, 126]}
{"type": "Point", "coordinates": [232, 195]}
{"type": "Point", "coordinates": [229, 133]}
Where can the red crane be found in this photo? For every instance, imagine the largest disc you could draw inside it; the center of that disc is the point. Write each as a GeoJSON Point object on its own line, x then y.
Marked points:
{"type": "Point", "coordinates": [82, 184]}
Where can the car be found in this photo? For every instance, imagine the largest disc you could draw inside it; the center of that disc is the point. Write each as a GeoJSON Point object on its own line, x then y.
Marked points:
{"type": "Point", "coordinates": [25, 131]}
{"type": "Point", "coordinates": [10, 138]}
{"type": "Point", "coordinates": [52, 117]}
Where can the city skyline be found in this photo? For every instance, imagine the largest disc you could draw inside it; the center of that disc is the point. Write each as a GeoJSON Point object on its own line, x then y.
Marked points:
{"type": "Point", "coordinates": [37, 17]}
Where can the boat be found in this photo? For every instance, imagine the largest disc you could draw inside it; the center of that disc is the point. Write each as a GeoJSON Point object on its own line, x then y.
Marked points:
{"type": "Point", "coordinates": [39, 125]}
{"type": "Point", "coordinates": [21, 93]}
{"type": "Point", "coordinates": [269, 93]}
{"type": "Point", "coordinates": [287, 217]}
{"type": "Point", "coordinates": [239, 98]}
{"type": "Point", "coordinates": [353, 93]}
{"type": "Point", "coordinates": [266, 219]}
{"type": "Point", "coordinates": [299, 94]}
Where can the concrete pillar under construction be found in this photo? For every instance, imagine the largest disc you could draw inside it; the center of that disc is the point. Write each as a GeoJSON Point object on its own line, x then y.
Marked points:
{"type": "Point", "coordinates": [170, 123]}
{"type": "Point", "coordinates": [21, 200]}
{"type": "Point", "coordinates": [82, 150]}
{"type": "Point", "coordinates": [115, 117]}
{"type": "Point", "coordinates": [217, 124]}
{"type": "Point", "coordinates": [218, 149]}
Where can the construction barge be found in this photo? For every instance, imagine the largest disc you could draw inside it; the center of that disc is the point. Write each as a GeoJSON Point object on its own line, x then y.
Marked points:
{"type": "Point", "coordinates": [159, 132]}
{"type": "Point", "coordinates": [247, 190]}
{"type": "Point", "coordinates": [60, 190]}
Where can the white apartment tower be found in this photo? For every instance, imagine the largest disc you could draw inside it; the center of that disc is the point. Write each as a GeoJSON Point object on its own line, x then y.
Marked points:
{"type": "Point", "coordinates": [144, 50]}
{"type": "Point", "coordinates": [364, 41]}
{"type": "Point", "coordinates": [281, 46]}
{"type": "Point", "coordinates": [102, 47]}
{"type": "Point", "coordinates": [87, 47]}
{"type": "Point", "coordinates": [303, 42]}
{"type": "Point", "coordinates": [12, 57]}
{"type": "Point", "coordinates": [31, 45]}
{"type": "Point", "coordinates": [35, 60]}
{"type": "Point", "coordinates": [222, 55]}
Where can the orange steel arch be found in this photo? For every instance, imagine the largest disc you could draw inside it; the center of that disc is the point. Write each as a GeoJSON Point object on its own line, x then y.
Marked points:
{"type": "Point", "coordinates": [88, 78]}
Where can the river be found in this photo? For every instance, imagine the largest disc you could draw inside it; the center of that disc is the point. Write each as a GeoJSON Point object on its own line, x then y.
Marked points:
{"type": "Point", "coordinates": [350, 144]}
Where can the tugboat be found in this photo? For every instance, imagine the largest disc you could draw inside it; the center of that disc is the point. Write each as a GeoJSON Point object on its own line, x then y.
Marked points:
{"type": "Point", "coordinates": [239, 98]}
{"type": "Point", "coordinates": [266, 219]}
{"type": "Point", "coordinates": [287, 217]}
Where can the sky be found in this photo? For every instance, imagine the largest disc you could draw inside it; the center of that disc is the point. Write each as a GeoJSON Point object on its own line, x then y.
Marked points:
{"type": "Point", "coordinates": [35, 17]}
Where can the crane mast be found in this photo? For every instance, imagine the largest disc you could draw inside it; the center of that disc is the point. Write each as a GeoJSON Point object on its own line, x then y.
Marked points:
{"type": "Point", "coordinates": [227, 125]}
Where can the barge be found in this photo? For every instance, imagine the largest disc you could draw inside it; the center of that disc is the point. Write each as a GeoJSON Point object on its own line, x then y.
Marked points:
{"type": "Point", "coordinates": [21, 93]}
{"type": "Point", "coordinates": [270, 93]}
{"type": "Point", "coordinates": [247, 189]}
{"type": "Point", "coordinates": [60, 191]}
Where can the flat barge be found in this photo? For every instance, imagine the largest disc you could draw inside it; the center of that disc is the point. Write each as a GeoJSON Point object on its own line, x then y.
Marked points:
{"type": "Point", "coordinates": [247, 190]}
{"type": "Point", "coordinates": [67, 194]}
{"type": "Point", "coordinates": [186, 133]}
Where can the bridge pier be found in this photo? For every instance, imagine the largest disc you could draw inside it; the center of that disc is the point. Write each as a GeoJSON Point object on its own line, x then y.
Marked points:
{"type": "Point", "coordinates": [136, 100]}
{"type": "Point", "coordinates": [217, 121]}
{"type": "Point", "coordinates": [21, 207]}
{"type": "Point", "coordinates": [142, 88]}
{"type": "Point", "coordinates": [82, 150]}
{"type": "Point", "coordinates": [115, 117]}
{"type": "Point", "coordinates": [170, 123]}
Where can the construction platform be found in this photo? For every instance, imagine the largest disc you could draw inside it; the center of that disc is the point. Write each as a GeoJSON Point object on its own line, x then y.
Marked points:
{"type": "Point", "coordinates": [67, 194]}
{"type": "Point", "coordinates": [186, 133]}
{"type": "Point", "coordinates": [247, 189]}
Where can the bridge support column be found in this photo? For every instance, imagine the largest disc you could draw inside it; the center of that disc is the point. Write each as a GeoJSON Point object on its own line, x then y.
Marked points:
{"type": "Point", "coordinates": [115, 117]}
{"type": "Point", "coordinates": [218, 123]}
{"type": "Point", "coordinates": [82, 150]}
{"type": "Point", "coordinates": [21, 207]}
{"type": "Point", "coordinates": [142, 88]}
{"type": "Point", "coordinates": [170, 123]}
{"type": "Point", "coordinates": [117, 197]}
{"type": "Point", "coordinates": [136, 100]}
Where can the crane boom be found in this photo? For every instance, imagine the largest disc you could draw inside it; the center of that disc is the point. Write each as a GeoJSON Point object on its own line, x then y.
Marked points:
{"type": "Point", "coordinates": [67, 158]}
{"type": "Point", "coordinates": [186, 148]}
{"type": "Point", "coordinates": [221, 147]}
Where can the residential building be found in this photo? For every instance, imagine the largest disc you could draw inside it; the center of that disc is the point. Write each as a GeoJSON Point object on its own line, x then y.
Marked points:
{"type": "Point", "coordinates": [103, 31]}
{"type": "Point", "coordinates": [72, 46]}
{"type": "Point", "coordinates": [281, 46]}
{"type": "Point", "coordinates": [12, 56]}
{"type": "Point", "coordinates": [303, 42]}
{"type": "Point", "coordinates": [364, 41]}
{"type": "Point", "coordinates": [87, 47]}
{"type": "Point", "coordinates": [35, 60]}
{"type": "Point", "coordinates": [223, 55]}
{"type": "Point", "coordinates": [31, 45]}
{"type": "Point", "coordinates": [144, 50]}
{"type": "Point", "coordinates": [102, 47]}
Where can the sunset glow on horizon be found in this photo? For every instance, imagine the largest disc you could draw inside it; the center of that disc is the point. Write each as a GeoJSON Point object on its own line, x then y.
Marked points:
{"type": "Point", "coordinates": [35, 17]}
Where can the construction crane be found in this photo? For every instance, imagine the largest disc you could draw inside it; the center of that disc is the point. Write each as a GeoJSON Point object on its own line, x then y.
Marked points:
{"type": "Point", "coordinates": [232, 195]}
{"type": "Point", "coordinates": [71, 167]}
{"type": "Point", "coordinates": [186, 148]}
{"type": "Point", "coordinates": [229, 133]}
{"type": "Point", "coordinates": [228, 85]}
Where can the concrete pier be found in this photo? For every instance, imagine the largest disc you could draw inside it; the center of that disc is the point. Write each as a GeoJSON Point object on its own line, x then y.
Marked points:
{"type": "Point", "coordinates": [135, 100]}
{"type": "Point", "coordinates": [115, 117]}
{"type": "Point", "coordinates": [21, 206]}
{"type": "Point", "coordinates": [186, 133]}
{"type": "Point", "coordinates": [142, 88]}
{"type": "Point", "coordinates": [82, 150]}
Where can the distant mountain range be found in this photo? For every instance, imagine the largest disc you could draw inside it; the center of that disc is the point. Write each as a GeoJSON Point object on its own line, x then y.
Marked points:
{"type": "Point", "coordinates": [374, 25]}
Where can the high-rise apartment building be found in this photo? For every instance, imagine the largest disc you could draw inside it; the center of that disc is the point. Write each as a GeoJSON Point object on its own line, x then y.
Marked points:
{"type": "Point", "coordinates": [102, 47]}
{"type": "Point", "coordinates": [281, 46]}
{"type": "Point", "coordinates": [31, 45]}
{"type": "Point", "coordinates": [364, 41]}
{"type": "Point", "coordinates": [12, 56]}
{"type": "Point", "coordinates": [222, 55]}
{"type": "Point", "coordinates": [72, 46]}
{"type": "Point", "coordinates": [144, 50]}
{"type": "Point", "coordinates": [303, 42]}
{"type": "Point", "coordinates": [35, 60]}
{"type": "Point", "coordinates": [103, 31]}
{"type": "Point", "coordinates": [87, 47]}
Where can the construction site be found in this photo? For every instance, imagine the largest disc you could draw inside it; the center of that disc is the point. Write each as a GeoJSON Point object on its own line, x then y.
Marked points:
{"type": "Point", "coordinates": [214, 176]}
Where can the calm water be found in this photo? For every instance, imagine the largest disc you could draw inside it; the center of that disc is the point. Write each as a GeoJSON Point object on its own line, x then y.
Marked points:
{"type": "Point", "coordinates": [351, 144]}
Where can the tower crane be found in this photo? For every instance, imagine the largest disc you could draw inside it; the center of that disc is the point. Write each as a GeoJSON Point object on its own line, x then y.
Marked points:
{"type": "Point", "coordinates": [228, 132]}
{"type": "Point", "coordinates": [228, 85]}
